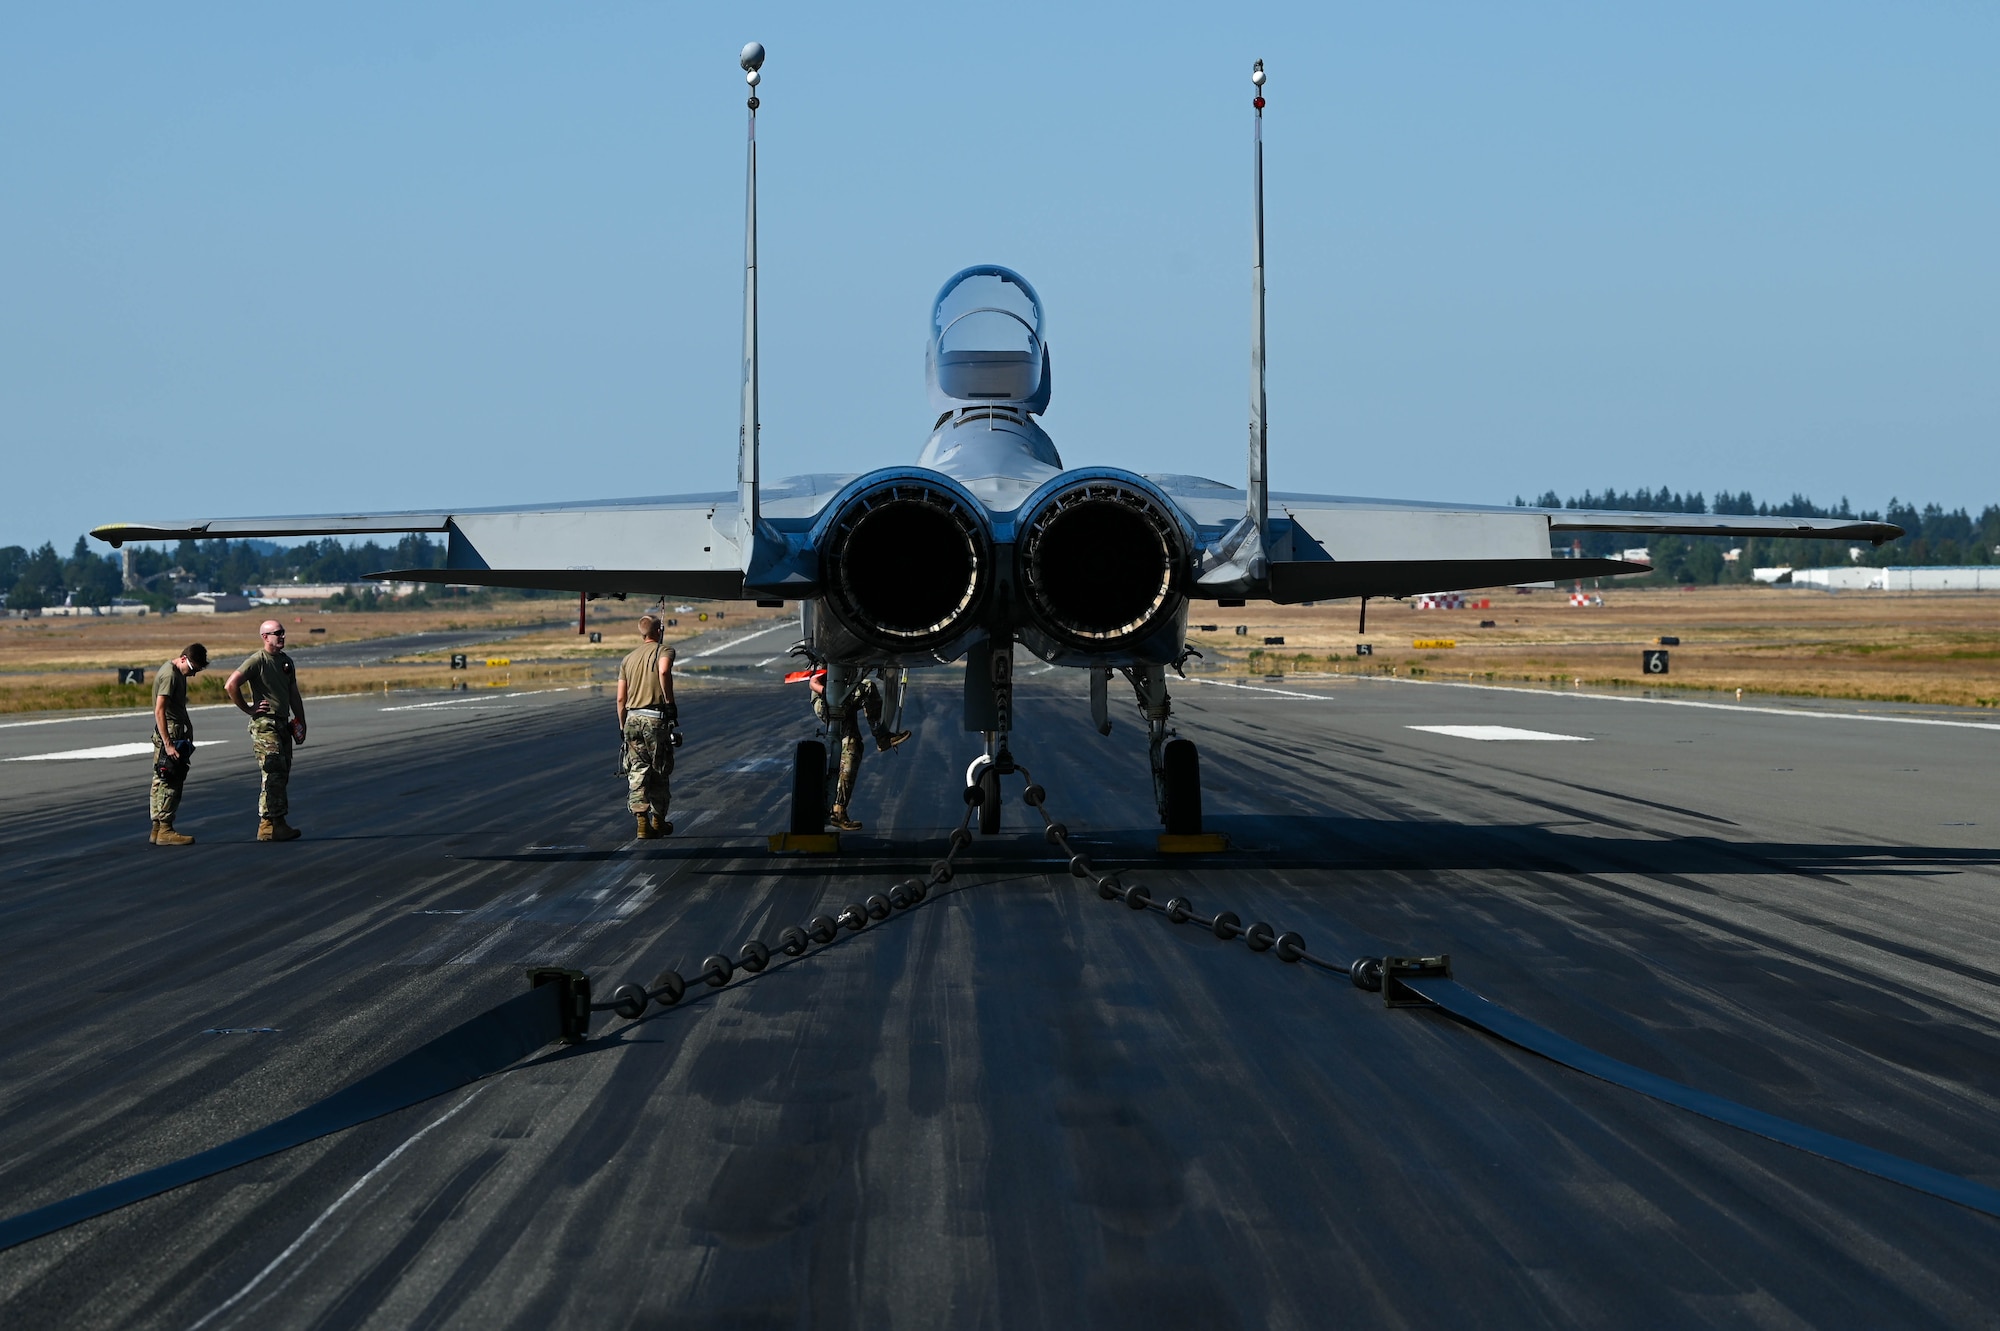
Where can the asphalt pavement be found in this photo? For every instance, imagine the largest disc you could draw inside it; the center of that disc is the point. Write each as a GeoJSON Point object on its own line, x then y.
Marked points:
{"type": "Point", "coordinates": [1018, 1104]}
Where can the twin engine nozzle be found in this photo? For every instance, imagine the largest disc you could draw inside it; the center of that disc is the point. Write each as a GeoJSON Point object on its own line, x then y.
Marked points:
{"type": "Point", "coordinates": [908, 563]}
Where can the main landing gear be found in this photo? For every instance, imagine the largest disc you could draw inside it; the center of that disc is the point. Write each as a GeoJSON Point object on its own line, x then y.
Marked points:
{"type": "Point", "coordinates": [809, 787]}
{"type": "Point", "coordinates": [1176, 765]}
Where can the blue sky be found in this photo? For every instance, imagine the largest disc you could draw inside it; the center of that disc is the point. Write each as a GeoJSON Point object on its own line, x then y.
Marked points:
{"type": "Point", "coordinates": [265, 259]}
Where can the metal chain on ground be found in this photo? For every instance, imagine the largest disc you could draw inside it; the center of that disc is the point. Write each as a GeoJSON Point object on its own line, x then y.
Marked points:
{"type": "Point", "coordinates": [1226, 925]}
{"type": "Point", "coordinates": [631, 1000]}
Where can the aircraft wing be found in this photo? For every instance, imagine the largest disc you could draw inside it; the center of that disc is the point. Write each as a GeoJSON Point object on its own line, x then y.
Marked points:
{"type": "Point", "coordinates": [1326, 546]}
{"type": "Point", "coordinates": [675, 546]}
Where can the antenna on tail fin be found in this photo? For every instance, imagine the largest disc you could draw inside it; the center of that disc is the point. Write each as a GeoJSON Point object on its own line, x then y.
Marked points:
{"type": "Point", "coordinates": [1259, 488]}
{"type": "Point", "coordinates": [762, 548]}
{"type": "Point", "coordinates": [1237, 563]}
{"type": "Point", "coordinates": [749, 507]}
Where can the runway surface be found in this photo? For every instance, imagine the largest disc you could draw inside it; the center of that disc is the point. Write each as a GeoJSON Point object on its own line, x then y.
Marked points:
{"type": "Point", "coordinates": [1018, 1105]}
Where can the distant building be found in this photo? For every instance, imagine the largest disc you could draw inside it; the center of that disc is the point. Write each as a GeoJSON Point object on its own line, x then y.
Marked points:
{"type": "Point", "coordinates": [1905, 578]}
{"type": "Point", "coordinates": [214, 603]}
{"type": "Point", "coordinates": [1942, 578]}
{"type": "Point", "coordinates": [120, 607]}
{"type": "Point", "coordinates": [1771, 574]}
{"type": "Point", "coordinates": [1839, 579]}
{"type": "Point", "coordinates": [302, 591]}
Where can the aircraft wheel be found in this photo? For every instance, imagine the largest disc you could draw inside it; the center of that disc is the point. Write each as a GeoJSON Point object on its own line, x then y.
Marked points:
{"type": "Point", "coordinates": [989, 801]}
{"type": "Point", "coordinates": [1183, 782]}
{"type": "Point", "coordinates": [809, 787]}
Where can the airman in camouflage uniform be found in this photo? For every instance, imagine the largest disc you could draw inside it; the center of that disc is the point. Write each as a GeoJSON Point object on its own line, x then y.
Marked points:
{"type": "Point", "coordinates": [173, 741]}
{"type": "Point", "coordinates": [842, 719]}
{"type": "Point", "coordinates": [277, 721]}
{"type": "Point", "coordinates": [646, 721]}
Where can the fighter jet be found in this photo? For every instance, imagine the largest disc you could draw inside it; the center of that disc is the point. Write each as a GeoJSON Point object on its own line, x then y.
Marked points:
{"type": "Point", "coordinates": [990, 538]}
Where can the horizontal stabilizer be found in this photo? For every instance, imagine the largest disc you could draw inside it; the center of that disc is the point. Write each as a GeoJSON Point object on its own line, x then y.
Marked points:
{"type": "Point", "coordinates": [1721, 524]}
{"type": "Point", "coordinates": [1326, 580]}
{"type": "Point", "coordinates": [322, 524]}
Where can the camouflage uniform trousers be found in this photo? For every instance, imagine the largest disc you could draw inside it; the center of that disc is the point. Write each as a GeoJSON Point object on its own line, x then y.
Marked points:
{"type": "Point", "coordinates": [648, 762]}
{"type": "Point", "coordinates": [844, 726]}
{"type": "Point", "coordinates": [166, 799]}
{"type": "Point", "coordinates": [271, 743]}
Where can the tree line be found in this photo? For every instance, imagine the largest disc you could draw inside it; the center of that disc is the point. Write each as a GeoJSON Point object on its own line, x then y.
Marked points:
{"type": "Point", "coordinates": [36, 579]}
{"type": "Point", "coordinates": [1932, 534]}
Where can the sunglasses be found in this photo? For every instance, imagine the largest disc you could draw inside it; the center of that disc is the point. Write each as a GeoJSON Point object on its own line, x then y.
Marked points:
{"type": "Point", "coordinates": [275, 633]}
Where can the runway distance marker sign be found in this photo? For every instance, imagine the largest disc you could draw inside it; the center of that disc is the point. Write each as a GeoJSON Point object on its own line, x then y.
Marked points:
{"type": "Point", "coordinates": [1654, 661]}
{"type": "Point", "coordinates": [1433, 644]}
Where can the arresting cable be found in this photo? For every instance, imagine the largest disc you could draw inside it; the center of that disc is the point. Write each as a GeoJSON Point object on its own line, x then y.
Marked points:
{"type": "Point", "coordinates": [558, 1007]}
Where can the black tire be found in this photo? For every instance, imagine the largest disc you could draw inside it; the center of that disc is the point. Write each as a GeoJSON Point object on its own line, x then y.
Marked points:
{"type": "Point", "coordinates": [1183, 782]}
{"type": "Point", "coordinates": [989, 801]}
{"type": "Point", "coordinates": [809, 787]}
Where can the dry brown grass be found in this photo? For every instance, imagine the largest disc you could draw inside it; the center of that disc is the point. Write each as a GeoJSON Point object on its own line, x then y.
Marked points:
{"type": "Point", "coordinates": [1938, 647]}
{"type": "Point", "coordinates": [40, 657]}
{"type": "Point", "coordinates": [1903, 647]}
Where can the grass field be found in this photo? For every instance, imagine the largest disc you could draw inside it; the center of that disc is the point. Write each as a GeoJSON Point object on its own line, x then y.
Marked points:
{"type": "Point", "coordinates": [1939, 647]}
{"type": "Point", "coordinates": [64, 664]}
{"type": "Point", "coordinates": [1900, 647]}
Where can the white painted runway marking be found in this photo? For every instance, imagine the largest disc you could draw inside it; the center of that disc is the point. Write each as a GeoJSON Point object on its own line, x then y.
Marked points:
{"type": "Point", "coordinates": [102, 751]}
{"type": "Point", "coordinates": [1609, 697]}
{"type": "Point", "coordinates": [1499, 732]}
{"type": "Point", "coordinates": [1253, 688]}
{"type": "Point", "coordinates": [447, 702]}
{"type": "Point", "coordinates": [766, 661]}
{"type": "Point", "coordinates": [738, 642]}
{"type": "Point", "coordinates": [110, 716]}
{"type": "Point", "coordinates": [770, 763]}
{"type": "Point", "coordinates": [224, 706]}
{"type": "Point", "coordinates": [1689, 702]}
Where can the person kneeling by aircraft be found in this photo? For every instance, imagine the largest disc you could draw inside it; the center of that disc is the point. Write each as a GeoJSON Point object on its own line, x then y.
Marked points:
{"type": "Point", "coordinates": [842, 718]}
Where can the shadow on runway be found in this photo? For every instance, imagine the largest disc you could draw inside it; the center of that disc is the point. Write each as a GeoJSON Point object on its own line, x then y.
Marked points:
{"type": "Point", "coordinates": [1333, 841]}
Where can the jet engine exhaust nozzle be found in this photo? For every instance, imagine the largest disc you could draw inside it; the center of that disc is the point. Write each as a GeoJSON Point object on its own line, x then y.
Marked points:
{"type": "Point", "coordinates": [1101, 564]}
{"type": "Point", "coordinates": [906, 565]}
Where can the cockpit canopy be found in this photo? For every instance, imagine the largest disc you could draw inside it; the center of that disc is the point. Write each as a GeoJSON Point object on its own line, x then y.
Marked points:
{"type": "Point", "coordinates": [986, 341]}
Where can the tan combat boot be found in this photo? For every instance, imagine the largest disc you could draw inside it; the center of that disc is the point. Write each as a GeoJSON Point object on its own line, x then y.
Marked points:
{"type": "Point", "coordinates": [164, 835]}
{"type": "Point", "coordinates": [153, 837]}
{"type": "Point", "coordinates": [661, 827]}
{"type": "Point", "coordinates": [841, 822]}
{"type": "Point", "coordinates": [276, 829]}
{"type": "Point", "coordinates": [645, 832]}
